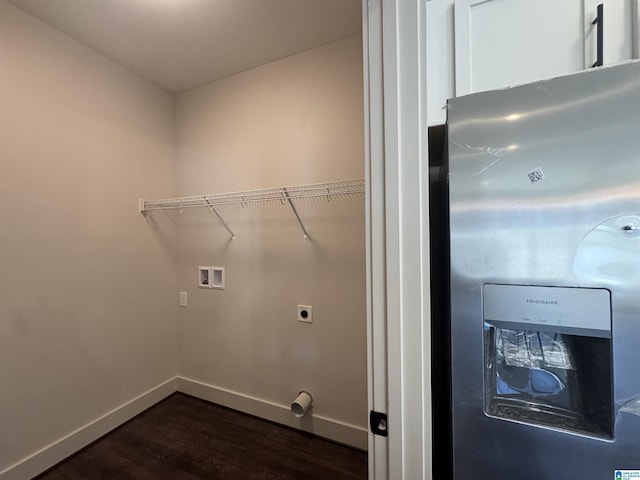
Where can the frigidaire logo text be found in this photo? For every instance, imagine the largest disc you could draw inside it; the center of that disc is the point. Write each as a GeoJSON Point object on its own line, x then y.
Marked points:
{"type": "Point", "coordinates": [542, 302]}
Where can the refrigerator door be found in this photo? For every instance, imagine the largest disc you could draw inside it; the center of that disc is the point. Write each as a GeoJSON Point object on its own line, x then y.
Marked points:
{"type": "Point", "coordinates": [544, 193]}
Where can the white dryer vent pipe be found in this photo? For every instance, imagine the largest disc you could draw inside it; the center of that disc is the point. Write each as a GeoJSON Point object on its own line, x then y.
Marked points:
{"type": "Point", "coordinates": [301, 404]}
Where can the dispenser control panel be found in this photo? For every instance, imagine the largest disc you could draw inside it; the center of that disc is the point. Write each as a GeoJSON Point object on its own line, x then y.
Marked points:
{"type": "Point", "coordinates": [582, 310]}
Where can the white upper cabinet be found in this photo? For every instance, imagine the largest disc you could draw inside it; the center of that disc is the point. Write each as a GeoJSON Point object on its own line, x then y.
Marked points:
{"type": "Point", "coordinates": [500, 43]}
{"type": "Point", "coordinates": [440, 59]}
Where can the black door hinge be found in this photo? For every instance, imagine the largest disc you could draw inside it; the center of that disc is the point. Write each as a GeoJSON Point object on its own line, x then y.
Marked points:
{"type": "Point", "coordinates": [378, 423]}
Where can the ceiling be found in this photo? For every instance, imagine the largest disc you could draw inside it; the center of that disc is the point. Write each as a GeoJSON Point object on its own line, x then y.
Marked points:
{"type": "Point", "coordinates": [181, 44]}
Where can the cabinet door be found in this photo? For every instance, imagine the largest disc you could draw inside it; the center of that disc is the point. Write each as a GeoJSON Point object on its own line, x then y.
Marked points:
{"type": "Point", "coordinates": [440, 59]}
{"type": "Point", "coordinates": [618, 30]}
{"type": "Point", "coordinates": [509, 42]}
{"type": "Point", "coordinates": [635, 26]}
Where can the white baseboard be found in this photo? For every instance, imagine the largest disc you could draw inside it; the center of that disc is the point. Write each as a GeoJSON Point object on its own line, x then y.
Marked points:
{"type": "Point", "coordinates": [80, 438]}
{"type": "Point", "coordinates": [335, 430]}
{"type": "Point", "coordinates": [54, 453]}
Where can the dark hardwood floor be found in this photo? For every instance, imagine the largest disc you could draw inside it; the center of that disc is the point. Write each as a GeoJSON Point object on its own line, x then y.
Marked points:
{"type": "Point", "coordinates": [187, 438]}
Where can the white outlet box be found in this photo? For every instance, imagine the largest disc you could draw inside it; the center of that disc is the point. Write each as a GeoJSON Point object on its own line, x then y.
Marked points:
{"type": "Point", "coordinates": [217, 277]}
{"type": "Point", "coordinates": [305, 313]}
{"type": "Point", "coordinates": [204, 277]}
{"type": "Point", "coordinates": [211, 277]}
{"type": "Point", "coordinates": [183, 299]}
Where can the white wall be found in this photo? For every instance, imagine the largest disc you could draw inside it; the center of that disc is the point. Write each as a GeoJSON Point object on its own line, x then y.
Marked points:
{"type": "Point", "coordinates": [87, 285]}
{"type": "Point", "coordinates": [88, 302]}
{"type": "Point", "coordinates": [295, 121]}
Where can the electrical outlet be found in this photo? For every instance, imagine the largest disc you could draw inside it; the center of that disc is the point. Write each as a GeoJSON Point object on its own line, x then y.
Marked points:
{"type": "Point", "coordinates": [305, 313]}
{"type": "Point", "coordinates": [183, 299]}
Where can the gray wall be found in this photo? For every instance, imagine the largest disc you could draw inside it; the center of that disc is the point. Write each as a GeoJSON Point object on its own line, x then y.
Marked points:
{"type": "Point", "coordinates": [295, 121]}
{"type": "Point", "coordinates": [87, 286]}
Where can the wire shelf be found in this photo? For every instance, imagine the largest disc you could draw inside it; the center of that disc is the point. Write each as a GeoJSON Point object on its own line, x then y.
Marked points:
{"type": "Point", "coordinates": [281, 194]}
{"type": "Point", "coordinates": [285, 195]}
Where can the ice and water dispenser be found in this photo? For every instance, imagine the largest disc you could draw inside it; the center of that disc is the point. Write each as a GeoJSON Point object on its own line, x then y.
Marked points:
{"type": "Point", "coordinates": [548, 357]}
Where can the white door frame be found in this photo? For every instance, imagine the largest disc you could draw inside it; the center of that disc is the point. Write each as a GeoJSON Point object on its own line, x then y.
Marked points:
{"type": "Point", "coordinates": [397, 214]}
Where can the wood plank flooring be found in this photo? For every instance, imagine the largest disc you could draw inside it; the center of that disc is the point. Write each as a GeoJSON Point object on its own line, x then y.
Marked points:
{"type": "Point", "coordinates": [183, 437]}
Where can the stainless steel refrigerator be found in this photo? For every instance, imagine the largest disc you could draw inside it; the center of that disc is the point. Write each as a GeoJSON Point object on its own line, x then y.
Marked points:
{"type": "Point", "coordinates": [544, 240]}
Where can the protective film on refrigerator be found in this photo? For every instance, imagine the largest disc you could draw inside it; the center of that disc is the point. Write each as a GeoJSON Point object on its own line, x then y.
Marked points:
{"type": "Point", "coordinates": [546, 364]}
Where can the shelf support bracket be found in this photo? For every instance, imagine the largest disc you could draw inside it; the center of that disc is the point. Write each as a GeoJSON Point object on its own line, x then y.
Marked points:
{"type": "Point", "coordinates": [215, 212]}
{"type": "Point", "coordinates": [295, 212]}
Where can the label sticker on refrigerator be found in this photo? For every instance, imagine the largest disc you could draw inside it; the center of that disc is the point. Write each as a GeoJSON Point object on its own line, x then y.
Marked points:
{"type": "Point", "coordinates": [627, 474]}
{"type": "Point", "coordinates": [535, 175]}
